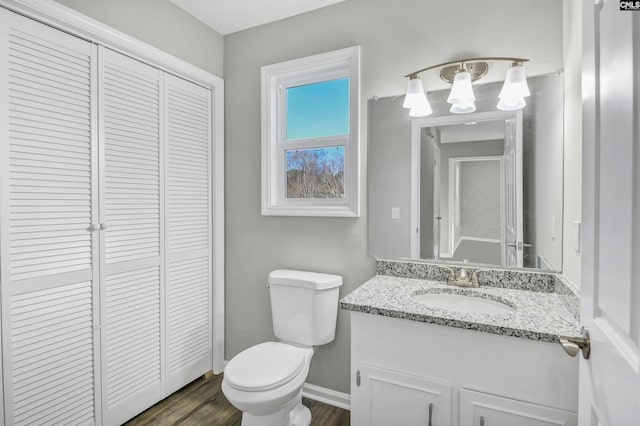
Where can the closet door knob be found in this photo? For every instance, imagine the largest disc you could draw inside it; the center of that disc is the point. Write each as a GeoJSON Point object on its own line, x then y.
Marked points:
{"type": "Point", "coordinates": [104, 226]}
{"type": "Point", "coordinates": [95, 227]}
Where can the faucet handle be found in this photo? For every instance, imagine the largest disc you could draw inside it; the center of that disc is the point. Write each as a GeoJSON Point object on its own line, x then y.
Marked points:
{"type": "Point", "coordinates": [474, 277]}
{"type": "Point", "coordinates": [452, 274]}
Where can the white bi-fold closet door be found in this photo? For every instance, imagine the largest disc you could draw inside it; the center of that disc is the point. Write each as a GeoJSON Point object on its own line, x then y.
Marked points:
{"type": "Point", "coordinates": [48, 183]}
{"type": "Point", "coordinates": [131, 232]}
{"type": "Point", "coordinates": [105, 219]}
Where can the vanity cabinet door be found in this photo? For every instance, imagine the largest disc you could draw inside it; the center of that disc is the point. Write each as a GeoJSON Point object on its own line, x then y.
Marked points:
{"type": "Point", "coordinates": [387, 397]}
{"type": "Point", "coordinates": [477, 408]}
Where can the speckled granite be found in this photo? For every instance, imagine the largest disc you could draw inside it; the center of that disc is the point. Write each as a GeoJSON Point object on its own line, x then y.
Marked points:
{"type": "Point", "coordinates": [569, 294]}
{"type": "Point", "coordinates": [504, 278]}
{"type": "Point", "coordinates": [540, 316]}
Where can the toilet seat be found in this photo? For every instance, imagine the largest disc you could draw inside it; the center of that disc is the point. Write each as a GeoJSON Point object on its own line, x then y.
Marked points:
{"type": "Point", "coordinates": [265, 366]}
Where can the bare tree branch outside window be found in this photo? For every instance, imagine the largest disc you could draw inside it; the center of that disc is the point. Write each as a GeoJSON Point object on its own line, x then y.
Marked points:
{"type": "Point", "coordinates": [315, 173]}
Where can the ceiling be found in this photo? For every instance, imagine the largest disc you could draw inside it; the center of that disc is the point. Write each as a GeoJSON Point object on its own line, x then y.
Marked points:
{"type": "Point", "coordinates": [229, 16]}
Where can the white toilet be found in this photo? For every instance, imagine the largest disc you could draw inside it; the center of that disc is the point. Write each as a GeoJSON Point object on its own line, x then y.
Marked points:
{"type": "Point", "coordinates": [265, 381]}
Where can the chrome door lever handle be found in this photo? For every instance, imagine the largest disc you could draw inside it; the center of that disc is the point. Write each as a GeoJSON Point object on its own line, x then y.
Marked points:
{"type": "Point", "coordinates": [573, 345]}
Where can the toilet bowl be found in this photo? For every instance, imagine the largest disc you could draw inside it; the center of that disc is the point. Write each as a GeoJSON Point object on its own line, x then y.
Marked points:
{"type": "Point", "coordinates": [265, 381]}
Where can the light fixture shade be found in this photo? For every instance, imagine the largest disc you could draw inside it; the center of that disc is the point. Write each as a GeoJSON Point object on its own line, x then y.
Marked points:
{"type": "Point", "coordinates": [515, 84]}
{"type": "Point", "coordinates": [421, 110]}
{"type": "Point", "coordinates": [511, 104]}
{"type": "Point", "coordinates": [463, 108]}
{"type": "Point", "coordinates": [461, 91]}
{"type": "Point", "coordinates": [416, 99]}
{"type": "Point", "coordinates": [415, 92]}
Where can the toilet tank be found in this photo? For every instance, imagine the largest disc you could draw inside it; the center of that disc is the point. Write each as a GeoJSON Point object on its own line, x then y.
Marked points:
{"type": "Point", "coordinates": [304, 306]}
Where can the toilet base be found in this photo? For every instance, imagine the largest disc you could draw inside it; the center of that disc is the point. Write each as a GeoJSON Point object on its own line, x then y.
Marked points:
{"type": "Point", "coordinates": [293, 413]}
{"type": "Point", "coordinates": [300, 416]}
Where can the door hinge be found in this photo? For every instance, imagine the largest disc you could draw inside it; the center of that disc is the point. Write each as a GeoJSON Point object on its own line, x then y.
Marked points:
{"type": "Point", "coordinates": [358, 378]}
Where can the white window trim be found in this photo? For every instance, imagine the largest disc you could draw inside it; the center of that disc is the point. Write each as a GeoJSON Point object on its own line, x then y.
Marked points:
{"type": "Point", "coordinates": [323, 67]}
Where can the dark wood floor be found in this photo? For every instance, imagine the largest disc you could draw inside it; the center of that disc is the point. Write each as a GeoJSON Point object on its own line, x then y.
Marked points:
{"type": "Point", "coordinates": [203, 403]}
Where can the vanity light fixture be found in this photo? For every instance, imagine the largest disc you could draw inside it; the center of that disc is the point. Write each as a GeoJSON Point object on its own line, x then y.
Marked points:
{"type": "Point", "coordinates": [461, 74]}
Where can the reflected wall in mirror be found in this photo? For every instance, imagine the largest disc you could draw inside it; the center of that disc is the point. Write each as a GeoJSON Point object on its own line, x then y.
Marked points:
{"type": "Point", "coordinates": [485, 187]}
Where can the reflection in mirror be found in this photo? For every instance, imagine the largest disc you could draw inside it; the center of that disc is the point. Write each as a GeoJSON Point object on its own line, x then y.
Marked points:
{"type": "Point", "coordinates": [484, 187]}
{"type": "Point", "coordinates": [469, 199]}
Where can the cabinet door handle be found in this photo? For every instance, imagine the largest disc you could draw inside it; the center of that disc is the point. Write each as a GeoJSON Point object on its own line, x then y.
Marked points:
{"type": "Point", "coordinates": [430, 414]}
{"type": "Point", "coordinates": [358, 378]}
{"type": "Point", "coordinates": [481, 420]}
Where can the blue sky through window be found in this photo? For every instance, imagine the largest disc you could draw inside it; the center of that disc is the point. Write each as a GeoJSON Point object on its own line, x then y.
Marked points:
{"type": "Point", "coordinates": [318, 110]}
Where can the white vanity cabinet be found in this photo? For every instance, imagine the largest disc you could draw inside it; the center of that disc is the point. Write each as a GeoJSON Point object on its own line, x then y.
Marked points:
{"type": "Point", "coordinates": [481, 409]}
{"type": "Point", "coordinates": [399, 367]}
{"type": "Point", "coordinates": [388, 397]}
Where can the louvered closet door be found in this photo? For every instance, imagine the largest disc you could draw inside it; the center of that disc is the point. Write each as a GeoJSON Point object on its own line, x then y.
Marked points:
{"type": "Point", "coordinates": [131, 255]}
{"type": "Point", "coordinates": [188, 235]}
{"type": "Point", "coordinates": [48, 279]}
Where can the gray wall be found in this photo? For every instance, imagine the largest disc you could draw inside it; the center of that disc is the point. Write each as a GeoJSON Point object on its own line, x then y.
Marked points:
{"type": "Point", "coordinates": [389, 150]}
{"type": "Point", "coordinates": [161, 24]}
{"type": "Point", "coordinates": [394, 41]}
{"type": "Point", "coordinates": [480, 204]}
{"type": "Point", "coordinates": [572, 137]}
{"type": "Point", "coordinates": [543, 170]}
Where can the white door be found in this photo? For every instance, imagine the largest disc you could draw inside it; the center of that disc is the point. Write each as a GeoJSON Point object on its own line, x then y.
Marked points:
{"type": "Point", "coordinates": [49, 277]}
{"type": "Point", "coordinates": [131, 256]}
{"type": "Point", "coordinates": [454, 206]}
{"type": "Point", "coordinates": [188, 209]}
{"type": "Point", "coordinates": [513, 249]}
{"type": "Point", "coordinates": [610, 378]}
{"type": "Point", "coordinates": [437, 218]}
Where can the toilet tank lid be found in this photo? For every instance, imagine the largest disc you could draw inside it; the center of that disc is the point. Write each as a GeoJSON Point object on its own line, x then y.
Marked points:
{"type": "Point", "coordinates": [304, 279]}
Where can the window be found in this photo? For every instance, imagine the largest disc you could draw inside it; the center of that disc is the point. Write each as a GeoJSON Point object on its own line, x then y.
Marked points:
{"type": "Point", "coordinates": [310, 122]}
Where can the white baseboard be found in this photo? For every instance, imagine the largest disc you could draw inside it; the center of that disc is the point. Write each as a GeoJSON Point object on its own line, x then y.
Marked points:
{"type": "Point", "coordinates": [327, 396]}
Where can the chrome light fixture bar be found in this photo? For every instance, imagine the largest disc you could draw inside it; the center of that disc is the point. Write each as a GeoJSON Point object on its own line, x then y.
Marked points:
{"type": "Point", "coordinates": [461, 74]}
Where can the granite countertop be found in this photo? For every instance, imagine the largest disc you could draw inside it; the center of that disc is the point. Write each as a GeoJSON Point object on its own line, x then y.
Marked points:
{"type": "Point", "coordinates": [540, 316]}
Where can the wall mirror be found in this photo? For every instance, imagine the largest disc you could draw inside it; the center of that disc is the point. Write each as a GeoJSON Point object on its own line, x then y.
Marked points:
{"type": "Point", "coordinates": [484, 187]}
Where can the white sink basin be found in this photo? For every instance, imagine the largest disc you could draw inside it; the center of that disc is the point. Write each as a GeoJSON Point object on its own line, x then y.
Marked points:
{"type": "Point", "coordinates": [466, 303]}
